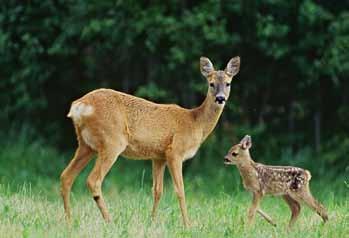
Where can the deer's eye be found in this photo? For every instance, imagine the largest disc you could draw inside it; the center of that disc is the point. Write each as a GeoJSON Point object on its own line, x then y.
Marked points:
{"type": "Point", "coordinates": [234, 154]}
{"type": "Point", "coordinates": [227, 84]}
{"type": "Point", "coordinates": [211, 85]}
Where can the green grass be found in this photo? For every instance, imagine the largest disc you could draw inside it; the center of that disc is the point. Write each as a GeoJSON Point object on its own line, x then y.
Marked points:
{"type": "Point", "coordinates": [27, 211]}
{"type": "Point", "coordinates": [30, 204]}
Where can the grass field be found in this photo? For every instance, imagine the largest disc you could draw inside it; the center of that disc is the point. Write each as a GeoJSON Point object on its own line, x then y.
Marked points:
{"type": "Point", "coordinates": [27, 211]}
{"type": "Point", "coordinates": [30, 204]}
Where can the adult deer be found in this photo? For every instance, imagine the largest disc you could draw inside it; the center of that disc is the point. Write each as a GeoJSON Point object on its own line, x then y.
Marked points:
{"type": "Point", "coordinates": [111, 123]}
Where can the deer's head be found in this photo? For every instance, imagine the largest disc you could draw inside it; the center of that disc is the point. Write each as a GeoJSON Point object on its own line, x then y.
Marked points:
{"type": "Point", "coordinates": [219, 80]}
{"type": "Point", "coordinates": [239, 153]}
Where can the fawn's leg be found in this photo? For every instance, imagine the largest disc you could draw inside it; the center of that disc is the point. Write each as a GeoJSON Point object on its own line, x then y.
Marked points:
{"type": "Point", "coordinates": [295, 208]}
{"type": "Point", "coordinates": [175, 166]}
{"type": "Point", "coordinates": [306, 196]}
{"type": "Point", "coordinates": [158, 177]}
{"type": "Point", "coordinates": [81, 158]}
{"type": "Point", "coordinates": [266, 217]}
{"type": "Point", "coordinates": [106, 158]}
{"type": "Point", "coordinates": [255, 204]}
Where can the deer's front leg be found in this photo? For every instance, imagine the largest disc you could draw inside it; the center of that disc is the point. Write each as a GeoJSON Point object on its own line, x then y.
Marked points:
{"type": "Point", "coordinates": [175, 166]}
{"type": "Point", "coordinates": [266, 217]}
{"type": "Point", "coordinates": [255, 204]}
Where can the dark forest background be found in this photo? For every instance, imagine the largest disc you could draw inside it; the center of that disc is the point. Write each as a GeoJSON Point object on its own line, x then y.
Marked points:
{"type": "Point", "coordinates": [291, 95]}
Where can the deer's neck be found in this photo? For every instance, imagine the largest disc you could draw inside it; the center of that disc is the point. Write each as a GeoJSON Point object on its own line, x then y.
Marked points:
{"type": "Point", "coordinates": [246, 168]}
{"type": "Point", "coordinates": [249, 175]}
{"type": "Point", "coordinates": [207, 115]}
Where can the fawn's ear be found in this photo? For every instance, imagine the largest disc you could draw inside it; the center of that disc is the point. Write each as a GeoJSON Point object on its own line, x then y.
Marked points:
{"type": "Point", "coordinates": [206, 67]}
{"type": "Point", "coordinates": [246, 142]}
{"type": "Point", "coordinates": [233, 66]}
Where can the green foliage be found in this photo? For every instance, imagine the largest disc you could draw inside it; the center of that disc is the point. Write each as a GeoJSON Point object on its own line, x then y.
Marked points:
{"type": "Point", "coordinates": [152, 91]}
{"type": "Point", "coordinates": [25, 159]}
{"type": "Point", "coordinates": [292, 87]}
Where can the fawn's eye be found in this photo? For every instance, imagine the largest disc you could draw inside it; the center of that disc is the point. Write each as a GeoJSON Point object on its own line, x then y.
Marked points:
{"type": "Point", "coordinates": [227, 84]}
{"type": "Point", "coordinates": [234, 154]}
{"type": "Point", "coordinates": [211, 85]}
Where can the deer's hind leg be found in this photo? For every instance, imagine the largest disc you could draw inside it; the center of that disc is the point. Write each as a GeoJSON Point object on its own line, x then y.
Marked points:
{"type": "Point", "coordinates": [305, 196]}
{"type": "Point", "coordinates": [295, 209]}
{"type": "Point", "coordinates": [311, 202]}
{"type": "Point", "coordinates": [107, 155]}
{"type": "Point", "coordinates": [81, 158]}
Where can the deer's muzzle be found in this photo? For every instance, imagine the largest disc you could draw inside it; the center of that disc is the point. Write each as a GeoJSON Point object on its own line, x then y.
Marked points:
{"type": "Point", "coordinates": [227, 160]}
{"type": "Point", "coordinates": [220, 99]}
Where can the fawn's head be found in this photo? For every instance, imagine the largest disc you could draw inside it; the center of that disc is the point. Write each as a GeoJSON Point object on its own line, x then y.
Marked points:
{"type": "Point", "coordinates": [239, 153]}
{"type": "Point", "coordinates": [219, 80]}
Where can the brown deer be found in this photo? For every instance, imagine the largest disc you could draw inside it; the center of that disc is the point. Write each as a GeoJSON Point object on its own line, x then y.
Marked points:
{"type": "Point", "coordinates": [291, 183]}
{"type": "Point", "coordinates": [111, 123]}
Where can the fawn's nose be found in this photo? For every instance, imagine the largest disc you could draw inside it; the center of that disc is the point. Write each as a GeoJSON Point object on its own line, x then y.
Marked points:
{"type": "Point", "coordinates": [227, 160]}
{"type": "Point", "coordinates": [220, 99]}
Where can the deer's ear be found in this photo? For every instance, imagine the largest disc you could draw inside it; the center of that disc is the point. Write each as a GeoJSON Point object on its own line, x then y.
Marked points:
{"type": "Point", "coordinates": [233, 66]}
{"type": "Point", "coordinates": [206, 67]}
{"type": "Point", "coordinates": [246, 142]}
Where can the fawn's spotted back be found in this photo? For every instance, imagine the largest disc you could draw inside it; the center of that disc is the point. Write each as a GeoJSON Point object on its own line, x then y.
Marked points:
{"type": "Point", "coordinates": [281, 179]}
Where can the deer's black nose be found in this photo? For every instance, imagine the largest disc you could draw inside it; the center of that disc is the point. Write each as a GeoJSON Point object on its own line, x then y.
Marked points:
{"type": "Point", "coordinates": [220, 99]}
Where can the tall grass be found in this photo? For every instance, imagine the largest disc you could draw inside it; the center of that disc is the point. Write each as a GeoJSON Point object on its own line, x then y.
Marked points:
{"type": "Point", "coordinates": [32, 212]}
{"type": "Point", "coordinates": [30, 204]}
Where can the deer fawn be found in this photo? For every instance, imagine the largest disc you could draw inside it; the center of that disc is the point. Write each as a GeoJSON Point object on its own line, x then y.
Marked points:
{"type": "Point", "coordinates": [291, 183]}
{"type": "Point", "coordinates": [111, 123]}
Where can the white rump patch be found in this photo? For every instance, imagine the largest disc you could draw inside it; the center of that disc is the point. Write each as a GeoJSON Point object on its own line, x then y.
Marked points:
{"type": "Point", "coordinates": [80, 109]}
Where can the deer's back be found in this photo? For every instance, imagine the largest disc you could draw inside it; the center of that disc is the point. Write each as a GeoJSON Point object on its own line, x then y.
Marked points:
{"type": "Point", "coordinates": [279, 180]}
{"type": "Point", "coordinates": [148, 127]}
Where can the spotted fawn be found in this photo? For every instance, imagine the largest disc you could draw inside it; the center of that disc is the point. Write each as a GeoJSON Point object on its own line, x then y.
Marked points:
{"type": "Point", "coordinates": [291, 183]}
